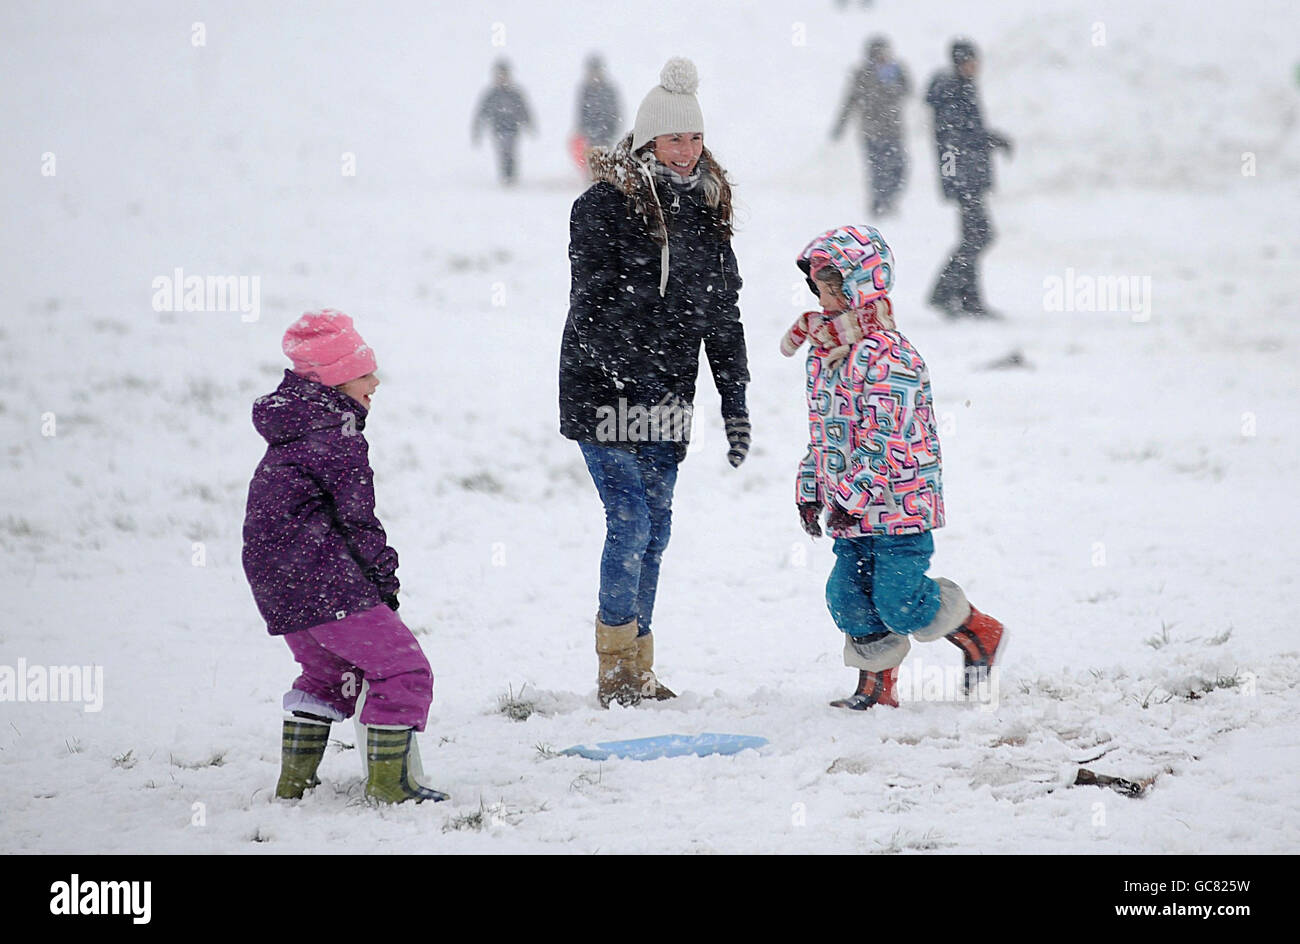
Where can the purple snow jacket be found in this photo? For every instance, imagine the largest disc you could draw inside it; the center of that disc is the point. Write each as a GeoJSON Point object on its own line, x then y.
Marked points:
{"type": "Point", "coordinates": [314, 552]}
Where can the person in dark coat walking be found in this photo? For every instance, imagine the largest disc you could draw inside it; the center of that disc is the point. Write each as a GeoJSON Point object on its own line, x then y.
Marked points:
{"type": "Point", "coordinates": [321, 570]}
{"type": "Point", "coordinates": [503, 109]}
{"type": "Point", "coordinates": [653, 278]}
{"type": "Point", "coordinates": [599, 110]}
{"type": "Point", "coordinates": [875, 97]}
{"type": "Point", "coordinates": [965, 148]}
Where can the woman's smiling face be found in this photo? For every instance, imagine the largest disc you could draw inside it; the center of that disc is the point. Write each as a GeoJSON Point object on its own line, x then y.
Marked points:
{"type": "Point", "coordinates": [679, 152]}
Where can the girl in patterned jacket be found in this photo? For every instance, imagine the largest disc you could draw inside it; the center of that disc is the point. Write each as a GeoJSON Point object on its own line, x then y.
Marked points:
{"type": "Point", "coordinates": [874, 462]}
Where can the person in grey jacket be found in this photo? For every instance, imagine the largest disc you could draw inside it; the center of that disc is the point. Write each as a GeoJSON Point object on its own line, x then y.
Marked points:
{"type": "Point", "coordinates": [599, 111]}
{"type": "Point", "coordinates": [503, 109]}
{"type": "Point", "coordinates": [875, 97]}
{"type": "Point", "coordinates": [965, 148]}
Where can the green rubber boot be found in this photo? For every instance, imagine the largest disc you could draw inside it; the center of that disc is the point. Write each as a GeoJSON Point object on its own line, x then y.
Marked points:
{"type": "Point", "coordinates": [389, 780]}
{"type": "Point", "coordinates": [302, 745]}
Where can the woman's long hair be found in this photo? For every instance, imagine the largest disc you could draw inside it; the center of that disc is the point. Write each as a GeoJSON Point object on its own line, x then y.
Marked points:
{"type": "Point", "coordinates": [715, 184]}
{"type": "Point", "coordinates": [717, 194]}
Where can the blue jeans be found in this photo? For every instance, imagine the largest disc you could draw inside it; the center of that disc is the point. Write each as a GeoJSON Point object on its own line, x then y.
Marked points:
{"type": "Point", "coordinates": [879, 584]}
{"type": "Point", "coordinates": [637, 489]}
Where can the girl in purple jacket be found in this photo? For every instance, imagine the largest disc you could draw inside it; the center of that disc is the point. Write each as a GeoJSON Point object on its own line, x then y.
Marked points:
{"type": "Point", "coordinates": [321, 570]}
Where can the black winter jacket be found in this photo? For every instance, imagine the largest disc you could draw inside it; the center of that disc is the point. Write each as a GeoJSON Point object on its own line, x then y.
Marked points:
{"type": "Point", "coordinates": [621, 339]}
{"type": "Point", "coordinates": [962, 140]}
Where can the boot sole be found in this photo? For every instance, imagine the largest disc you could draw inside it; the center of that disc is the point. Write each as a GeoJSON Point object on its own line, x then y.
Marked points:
{"type": "Point", "coordinates": [849, 704]}
{"type": "Point", "coordinates": [845, 706]}
{"type": "Point", "coordinates": [1000, 653]}
{"type": "Point", "coordinates": [436, 797]}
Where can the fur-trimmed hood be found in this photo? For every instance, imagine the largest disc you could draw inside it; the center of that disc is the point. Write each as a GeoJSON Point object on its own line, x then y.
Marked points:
{"type": "Point", "coordinates": [634, 178]}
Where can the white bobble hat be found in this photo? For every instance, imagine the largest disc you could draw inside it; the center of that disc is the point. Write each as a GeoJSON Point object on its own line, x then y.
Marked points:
{"type": "Point", "coordinates": [671, 106]}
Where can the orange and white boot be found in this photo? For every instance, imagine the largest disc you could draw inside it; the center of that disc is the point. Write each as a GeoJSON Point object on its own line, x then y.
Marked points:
{"type": "Point", "coordinates": [982, 641]}
{"type": "Point", "coordinates": [876, 657]}
{"type": "Point", "coordinates": [874, 688]}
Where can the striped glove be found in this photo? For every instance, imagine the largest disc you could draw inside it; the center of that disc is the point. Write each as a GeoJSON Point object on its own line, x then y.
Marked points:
{"type": "Point", "coordinates": [737, 438]}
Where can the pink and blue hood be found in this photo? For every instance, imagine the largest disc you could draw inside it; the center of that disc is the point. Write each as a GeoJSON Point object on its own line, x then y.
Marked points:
{"type": "Point", "coordinates": [861, 256]}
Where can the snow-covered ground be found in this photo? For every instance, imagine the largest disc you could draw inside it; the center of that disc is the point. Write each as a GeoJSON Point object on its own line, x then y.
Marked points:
{"type": "Point", "coordinates": [1123, 499]}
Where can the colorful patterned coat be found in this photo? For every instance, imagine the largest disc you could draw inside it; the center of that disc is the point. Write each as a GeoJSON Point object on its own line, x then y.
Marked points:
{"type": "Point", "coordinates": [873, 447]}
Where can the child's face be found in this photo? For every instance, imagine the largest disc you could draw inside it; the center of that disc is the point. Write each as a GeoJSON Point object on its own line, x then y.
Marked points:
{"type": "Point", "coordinates": [832, 297]}
{"type": "Point", "coordinates": [360, 389]}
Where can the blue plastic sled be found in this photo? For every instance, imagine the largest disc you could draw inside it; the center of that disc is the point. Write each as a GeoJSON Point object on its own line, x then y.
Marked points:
{"type": "Point", "coordinates": [667, 745]}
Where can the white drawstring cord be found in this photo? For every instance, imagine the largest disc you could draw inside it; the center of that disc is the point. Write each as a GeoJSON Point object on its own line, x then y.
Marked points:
{"type": "Point", "coordinates": [663, 253]}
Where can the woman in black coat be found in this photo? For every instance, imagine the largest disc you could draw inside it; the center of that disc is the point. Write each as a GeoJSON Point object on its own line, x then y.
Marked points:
{"type": "Point", "coordinates": [653, 276]}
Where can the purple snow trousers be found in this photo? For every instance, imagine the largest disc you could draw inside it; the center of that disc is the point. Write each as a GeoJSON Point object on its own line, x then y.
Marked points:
{"type": "Point", "coordinates": [375, 645]}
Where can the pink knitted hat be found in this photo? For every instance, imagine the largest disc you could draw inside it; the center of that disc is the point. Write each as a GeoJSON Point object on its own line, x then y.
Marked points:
{"type": "Point", "coordinates": [325, 347]}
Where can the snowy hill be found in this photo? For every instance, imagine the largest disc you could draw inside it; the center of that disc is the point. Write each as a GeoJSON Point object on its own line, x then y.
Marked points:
{"type": "Point", "coordinates": [1122, 498]}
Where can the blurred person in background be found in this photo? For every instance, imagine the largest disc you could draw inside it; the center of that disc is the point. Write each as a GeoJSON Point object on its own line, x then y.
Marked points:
{"type": "Point", "coordinates": [875, 97]}
{"type": "Point", "coordinates": [503, 109]}
{"type": "Point", "coordinates": [965, 149]}
{"type": "Point", "coordinates": [599, 111]}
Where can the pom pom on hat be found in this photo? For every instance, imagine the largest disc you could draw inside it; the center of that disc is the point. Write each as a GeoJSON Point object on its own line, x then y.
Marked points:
{"type": "Point", "coordinates": [326, 348]}
{"type": "Point", "coordinates": [679, 76]}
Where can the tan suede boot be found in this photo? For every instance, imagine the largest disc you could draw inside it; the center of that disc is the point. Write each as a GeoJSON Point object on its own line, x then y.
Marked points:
{"type": "Point", "coordinates": [616, 651]}
{"type": "Point", "coordinates": [649, 686]}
